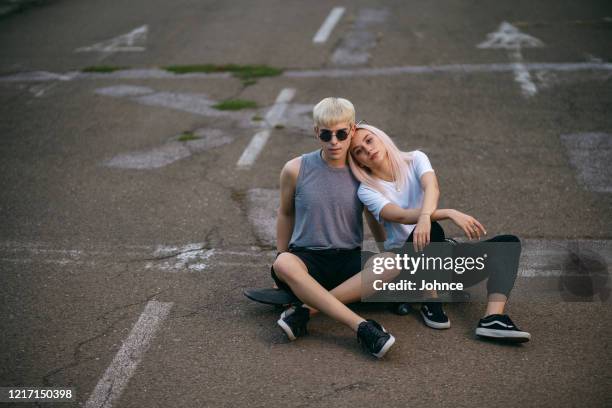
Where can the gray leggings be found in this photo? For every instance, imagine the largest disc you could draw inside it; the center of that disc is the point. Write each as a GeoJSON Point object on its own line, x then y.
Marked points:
{"type": "Point", "coordinates": [501, 272]}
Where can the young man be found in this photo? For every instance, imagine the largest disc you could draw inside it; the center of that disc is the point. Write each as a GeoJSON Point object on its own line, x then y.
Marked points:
{"type": "Point", "coordinates": [320, 231]}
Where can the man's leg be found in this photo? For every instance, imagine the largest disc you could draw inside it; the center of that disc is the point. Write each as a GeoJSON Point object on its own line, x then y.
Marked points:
{"type": "Point", "coordinates": [291, 270]}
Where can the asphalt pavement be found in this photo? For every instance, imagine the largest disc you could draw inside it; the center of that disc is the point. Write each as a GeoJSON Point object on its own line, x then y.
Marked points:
{"type": "Point", "coordinates": [135, 211]}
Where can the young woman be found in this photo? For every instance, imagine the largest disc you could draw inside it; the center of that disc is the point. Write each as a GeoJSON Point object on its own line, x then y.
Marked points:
{"type": "Point", "coordinates": [401, 190]}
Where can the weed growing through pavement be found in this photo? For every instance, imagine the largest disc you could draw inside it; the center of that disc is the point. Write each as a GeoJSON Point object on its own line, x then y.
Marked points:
{"type": "Point", "coordinates": [235, 104]}
{"type": "Point", "coordinates": [247, 73]}
{"type": "Point", "coordinates": [187, 136]}
{"type": "Point", "coordinates": [102, 69]}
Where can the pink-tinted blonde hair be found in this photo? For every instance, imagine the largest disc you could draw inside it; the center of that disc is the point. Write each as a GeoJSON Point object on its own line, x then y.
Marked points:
{"type": "Point", "coordinates": [397, 159]}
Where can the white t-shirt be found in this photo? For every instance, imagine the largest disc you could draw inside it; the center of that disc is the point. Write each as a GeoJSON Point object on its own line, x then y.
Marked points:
{"type": "Point", "coordinates": [409, 196]}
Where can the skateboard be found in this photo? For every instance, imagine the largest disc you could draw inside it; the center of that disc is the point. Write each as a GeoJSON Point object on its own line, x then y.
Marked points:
{"type": "Point", "coordinates": [271, 296]}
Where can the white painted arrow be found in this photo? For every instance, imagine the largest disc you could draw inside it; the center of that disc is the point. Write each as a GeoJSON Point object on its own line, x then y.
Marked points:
{"type": "Point", "coordinates": [130, 42]}
{"type": "Point", "coordinates": [512, 39]}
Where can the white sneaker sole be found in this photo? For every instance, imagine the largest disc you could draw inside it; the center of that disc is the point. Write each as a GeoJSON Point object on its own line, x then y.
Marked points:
{"type": "Point", "coordinates": [517, 336]}
{"type": "Point", "coordinates": [435, 325]}
{"type": "Point", "coordinates": [385, 348]}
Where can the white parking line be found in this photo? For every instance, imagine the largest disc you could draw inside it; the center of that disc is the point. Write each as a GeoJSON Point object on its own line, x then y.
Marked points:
{"type": "Point", "coordinates": [328, 25]}
{"type": "Point", "coordinates": [121, 369]}
{"type": "Point", "coordinates": [259, 140]}
{"type": "Point", "coordinates": [129, 42]}
{"type": "Point", "coordinates": [191, 257]}
{"type": "Point", "coordinates": [256, 145]}
{"type": "Point", "coordinates": [543, 258]}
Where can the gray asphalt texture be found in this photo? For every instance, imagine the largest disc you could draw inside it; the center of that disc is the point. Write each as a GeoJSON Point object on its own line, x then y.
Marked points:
{"type": "Point", "coordinates": [498, 155]}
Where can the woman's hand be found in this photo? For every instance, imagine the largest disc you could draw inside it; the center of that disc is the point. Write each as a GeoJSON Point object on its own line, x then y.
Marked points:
{"type": "Point", "coordinates": [422, 232]}
{"type": "Point", "coordinates": [470, 225]}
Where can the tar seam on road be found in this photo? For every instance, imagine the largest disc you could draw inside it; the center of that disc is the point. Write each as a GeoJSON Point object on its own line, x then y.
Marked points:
{"type": "Point", "coordinates": [123, 366]}
{"type": "Point", "coordinates": [328, 25]}
{"type": "Point", "coordinates": [41, 76]}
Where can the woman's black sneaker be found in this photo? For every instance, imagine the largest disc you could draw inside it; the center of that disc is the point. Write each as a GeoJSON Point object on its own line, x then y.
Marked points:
{"type": "Point", "coordinates": [434, 316]}
{"type": "Point", "coordinates": [293, 321]}
{"type": "Point", "coordinates": [401, 309]}
{"type": "Point", "coordinates": [500, 327]}
{"type": "Point", "coordinates": [374, 338]}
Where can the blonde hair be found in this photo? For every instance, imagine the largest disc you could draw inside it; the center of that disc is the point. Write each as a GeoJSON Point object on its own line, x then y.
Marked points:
{"type": "Point", "coordinates": [397, 159]}
{"type": "Point", "coordinates": [331, 111]}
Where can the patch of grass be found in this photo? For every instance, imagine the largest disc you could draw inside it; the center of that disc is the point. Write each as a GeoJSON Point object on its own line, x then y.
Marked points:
{"type": "Point", "coordinates": [187, 136]}
{"type": "Point", "coordinates": [256, 118]}
{"type": "Point", "coordinates": [248, 82]}
{"type": "Point", "coordinates": [102, 69]}
{"type": "Point", "coordinates": [235, 104]}
{"type": "Point", "coordinates": [244, 72]}
{"type": "Point", "coordinates": [279, 126]}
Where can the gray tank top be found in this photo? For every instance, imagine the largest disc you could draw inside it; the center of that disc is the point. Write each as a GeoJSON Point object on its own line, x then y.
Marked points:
{"type": "Point", "coordinates": [328, 213]}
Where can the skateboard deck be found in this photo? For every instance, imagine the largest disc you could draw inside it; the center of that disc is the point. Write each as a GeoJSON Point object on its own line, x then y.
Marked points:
{"type": "Point", "coordinates": [271, 296]}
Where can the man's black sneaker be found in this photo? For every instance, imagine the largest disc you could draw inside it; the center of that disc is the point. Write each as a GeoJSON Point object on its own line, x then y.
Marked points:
{"type": "Point", "coordinates": [374, 338]}
{"type": "Point", "coordinates": [293, 321]}
{"type": "Point", "coordinates": [434, 316]}
{"type": "Point", "coordinates": [500, 327]}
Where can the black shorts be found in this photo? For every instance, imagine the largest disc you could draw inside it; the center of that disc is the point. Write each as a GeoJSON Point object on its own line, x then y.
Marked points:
{"type": "Point", "coordinates": [329, 267]}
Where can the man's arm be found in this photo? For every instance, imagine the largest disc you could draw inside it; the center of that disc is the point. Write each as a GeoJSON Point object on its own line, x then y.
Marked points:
{"type": "Point", "coordinates": [286, 211]}
{"type": "Point", "coordinates": [376, 228]}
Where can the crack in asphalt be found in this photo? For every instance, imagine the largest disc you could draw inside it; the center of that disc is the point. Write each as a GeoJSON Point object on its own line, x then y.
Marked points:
{"type": "Point", "coordinates": [76, 354]}
{"type": "Point", "coordinates": [345, 388]}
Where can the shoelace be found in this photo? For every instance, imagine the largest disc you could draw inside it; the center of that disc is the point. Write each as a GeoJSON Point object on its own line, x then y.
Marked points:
{"type": "Point", "coordinates": [372, 331]}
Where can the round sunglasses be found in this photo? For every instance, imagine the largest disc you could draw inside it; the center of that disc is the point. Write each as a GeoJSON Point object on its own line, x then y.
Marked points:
{"type": "Point", "coordinates": [326, 135]}
{"type": "Point", "coordinates": [341, 134]}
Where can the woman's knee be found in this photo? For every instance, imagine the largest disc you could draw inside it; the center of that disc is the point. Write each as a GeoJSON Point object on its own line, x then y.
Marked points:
{"type": "Point", "coordinates": [507, 238]}
{"type": "Point", "coordinates": [437, 232]}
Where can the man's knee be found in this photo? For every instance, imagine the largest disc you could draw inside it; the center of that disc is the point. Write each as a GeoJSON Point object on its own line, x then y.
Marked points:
{"type": "Point", "coordinates": [288, 266]}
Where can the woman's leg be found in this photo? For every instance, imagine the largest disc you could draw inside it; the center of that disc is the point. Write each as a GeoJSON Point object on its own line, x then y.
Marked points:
{"type": "Point", "coordinates": [436, 235]}
{"type": "Point", "coordinates": [353, 289]}
{"type": "Point", "coordinates": [501, 270]}
{"type": "Point", "coordinates": [501, 281]}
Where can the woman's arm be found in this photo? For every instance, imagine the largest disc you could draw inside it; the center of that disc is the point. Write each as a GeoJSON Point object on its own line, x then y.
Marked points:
{"type": "Point", "coordinates": [472, 228]}
{"type": "Point", "coordinates": [431, 194]}
{"type": "Point", "coordinates": [395, 213]}
{"type": "Point", "coordinates": [422, 232]}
